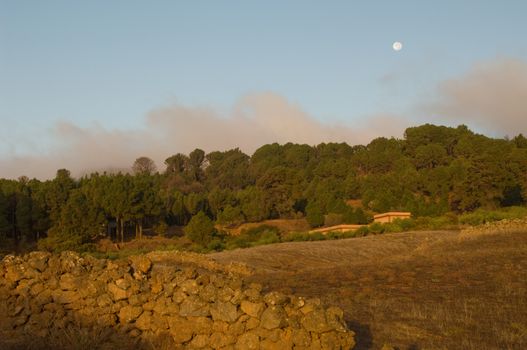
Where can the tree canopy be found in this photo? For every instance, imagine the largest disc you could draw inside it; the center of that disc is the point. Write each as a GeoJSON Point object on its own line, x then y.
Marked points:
{"type": "Point", "coordinates": [432, 170]}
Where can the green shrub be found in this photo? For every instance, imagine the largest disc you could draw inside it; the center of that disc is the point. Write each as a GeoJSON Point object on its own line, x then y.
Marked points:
{"type": "Point", "coordinates": [200, 229]}
{"type": "Point", "coordinates": [160, 228]}
{"type": "Point", "coordinates": [376, 228]}
{"type": "Point", "coordinates": [362, 231]}
{"type": "Point", "coordinates": [314, 215]}
{"type": "Point", "coordinates": [230, 216]}
{"type": "Point", "coordinates": [216, 244]}
{"type": "Point", "coordinates": [333, 219]}
{"type": "Point", "coordinates": [268, 237]}
{"type": "Point", "coordinates": [482, 216]}
{"type": "Point", "coordinates": [263, 234]}
{"type": "Point", "coordinates": [392, 227]}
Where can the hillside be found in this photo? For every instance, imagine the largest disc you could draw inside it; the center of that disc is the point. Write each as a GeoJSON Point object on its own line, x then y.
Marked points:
{"type": "Point", "coordinates": [433, 171]}
{"type": "Point", "coordinates": [414, 290]}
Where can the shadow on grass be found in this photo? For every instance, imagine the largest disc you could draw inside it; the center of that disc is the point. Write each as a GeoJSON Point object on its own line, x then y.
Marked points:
{"type": "Point", "coordinates": [74, 338]}
{"type": "Point", "coordinates": [363, 335]}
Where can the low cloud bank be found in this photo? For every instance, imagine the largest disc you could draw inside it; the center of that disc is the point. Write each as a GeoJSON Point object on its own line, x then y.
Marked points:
{"type": "Point", "coordinates": [491, 96]}
{"type": "Point", "coordinates": [254, 121]}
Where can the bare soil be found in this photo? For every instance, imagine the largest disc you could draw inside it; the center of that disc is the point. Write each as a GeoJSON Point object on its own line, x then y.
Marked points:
{"type": "Point", "coordinates": [413, 290]}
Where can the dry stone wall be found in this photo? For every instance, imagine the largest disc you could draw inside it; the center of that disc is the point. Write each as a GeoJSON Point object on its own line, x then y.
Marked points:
{"type": "Point", "coordinates": [186, 305]}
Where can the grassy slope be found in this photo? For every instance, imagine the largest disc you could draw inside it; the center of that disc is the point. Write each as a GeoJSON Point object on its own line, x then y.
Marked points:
{"type": "Point", "coordinates": [414, 290]}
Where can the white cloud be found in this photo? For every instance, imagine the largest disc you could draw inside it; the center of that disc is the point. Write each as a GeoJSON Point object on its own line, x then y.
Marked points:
{"type": "Point", "coordinates": [255, 120]}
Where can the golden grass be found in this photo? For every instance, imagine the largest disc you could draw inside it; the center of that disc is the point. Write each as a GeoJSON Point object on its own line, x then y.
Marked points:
{"type": "Point", "coordinates": [283, 225]}
{"type": "Point", "coordinates": [413, 290]}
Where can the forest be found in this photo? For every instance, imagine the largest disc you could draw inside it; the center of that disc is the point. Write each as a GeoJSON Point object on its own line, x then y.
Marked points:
{"type": "Point", "coordinates": [431, 171]}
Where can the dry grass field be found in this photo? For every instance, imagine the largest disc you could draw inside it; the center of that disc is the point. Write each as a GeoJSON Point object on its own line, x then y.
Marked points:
{"type": "Point", "coordinates": [284, 225]}
{"type": "Point", "coordinates": [413, 290]}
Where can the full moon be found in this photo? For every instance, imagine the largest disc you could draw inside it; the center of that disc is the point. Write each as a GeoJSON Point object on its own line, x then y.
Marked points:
{"type": "Point", "coordinates": [397, 46]}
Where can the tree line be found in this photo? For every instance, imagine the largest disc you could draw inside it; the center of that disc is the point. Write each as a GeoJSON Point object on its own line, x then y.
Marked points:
{"type": "Point", "coordinates": [431, 171]}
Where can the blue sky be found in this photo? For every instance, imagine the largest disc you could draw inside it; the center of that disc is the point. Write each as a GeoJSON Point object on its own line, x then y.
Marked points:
{"type": "Point", "coordinates": [111, 63]}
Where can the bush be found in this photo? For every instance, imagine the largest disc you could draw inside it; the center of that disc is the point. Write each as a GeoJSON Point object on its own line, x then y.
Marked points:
{"type": "Point", "coordinates": [376, 228]}
{"type": "Point", "coordinates": [200, 229]}
{"type": "Point", "coordinates": [482, 216]}
{"type": "Point", "coordinates": [314, 215]}
{"type": "Point", "coordinates": [362, 231]}
{"type": "Point", "coordinates": [259, 235]}
{"type": "Point", "coordinates": [392, 227]}
{"type": "Point", "coordinates": [231, 216]}
{"type": "Point", "coordinates": [161, 228]}
{"type": "Point", "coordinates": [333, 219]}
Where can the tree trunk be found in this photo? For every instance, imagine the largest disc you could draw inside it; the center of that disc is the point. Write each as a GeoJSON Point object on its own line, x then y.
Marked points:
{"type": "Point", "coordinates": [122, 230]}
{"type": "Point", "coordinates": [141, 229]}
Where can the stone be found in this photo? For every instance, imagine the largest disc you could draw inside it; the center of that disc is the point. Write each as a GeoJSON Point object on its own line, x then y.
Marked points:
{"type": "Point", "coordinates": [310, 305]}
{"type": "Point", "coordinates": [200, 325]}
{"type": "Point", "coordinates": [129, 313]}
{"type": "Point", "coordinates": [256, 286]}
{"type": "Point", "coordinates": [248, 341]}
{"type": "Point", "coordinates": [297, 302]}
{"type": "Point", "coordinates": [38, 260]}
{"type": "Point", "coordinates": [202, 280]}
{"type": "Point", "coordinates": [199, 341]}
{"type": "Point", "coordinates": [107, 320]}
{"type": "Point", "coordinates": [20, 320]}
{"type": "Point", "coordinates": [225, 294]}
{"type": "Point", "coordinates": [65, 296]}
{"type": "Point", "coordinates": [316, 321]}
{"type": "Point", "coordinates": [169, 288]}
{"type": "Point", "coordinates": [144, 321]}
{"type": "Point", "coordinates": [252, 309]}
{"type": "Point", "coordinates": [116, 292]}
{"type": "Point", "coordinates": [160, 306]}
{"type": "Point", "coordinates": [301, 338]}
{"type": "Point", "coordinates": [193, 306]}
{"type": "Point", "coordinates": [208, 293]}
{"type": "Point", "coordinates": [179, 329]}
{"type": "Point", "coordinates": [335, 319]}
{"type": "Point", "coordinates": [252, 294]}
{"type": "Point", "coordinates": [219, 340]}
{"type": "Point", "coordinates": [190, 287]}
{"type": "Point", "coordinates": [71, 262]}
{"type": "Point", "coordinates": [224, 311]}
{"type": "Point", "coordinates": [159, 322]}
{"type": "Point", "coordinates": [179, 296]}
{"type": "Point", "coordinates": [123, 283]}
{"type": "Point", "coordinates": [14, 273]}
{"type": "Point", "coordinates": [221, 326]}
{"type": "Point", "coordinates": [238, 328]}
{"type": "Point", "coordinates": [268, 344]}
{"type": "Point", "coordinates": [329, 341]}
{"type": "Point", "coordinates": [149, 305]}
{"type": "Point", "coordinates": [237, 297]}
{"type": "Point", "coordinates": [90, 289]}
{"type": "Point", "coordinates": [252, 323]}
{"type": "Point", "coordinates": [273, 317]}
{"type": "Point", "coordinates": [275, 298]}
{"type": "Point", "coordinates": [104, 300]}
{"type": "Point", "coordinates": [136, 300]}
{"type": "Point", "coordinates": [141, 263]}
{"type": "Point", "coordinates": [69, 282]}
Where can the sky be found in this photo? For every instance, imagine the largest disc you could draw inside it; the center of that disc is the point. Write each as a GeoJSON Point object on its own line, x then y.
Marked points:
{"type": "Point", "coordinates": [93, 85]}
